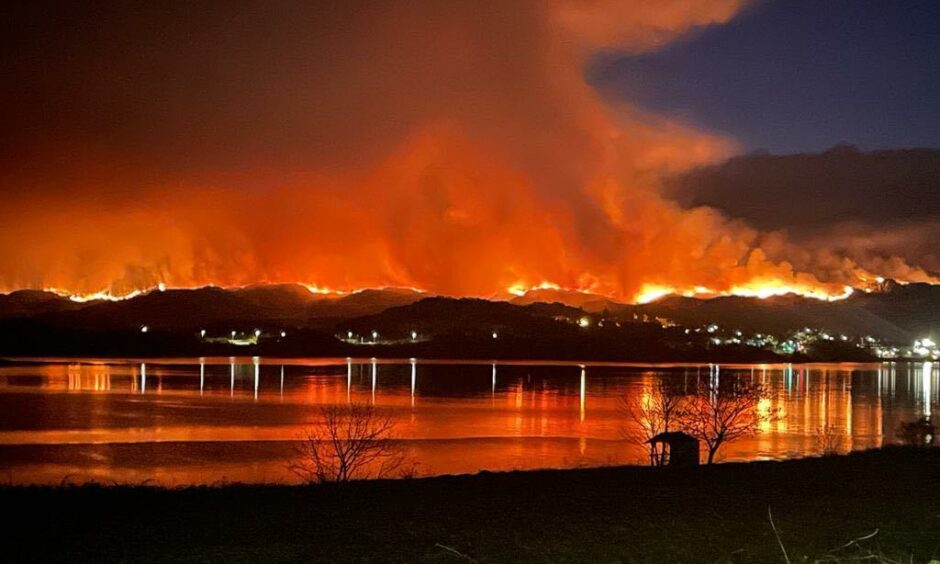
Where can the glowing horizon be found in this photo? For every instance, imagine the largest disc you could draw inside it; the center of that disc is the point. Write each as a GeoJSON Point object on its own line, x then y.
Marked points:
{"type": "Point", "coordinates": [648, 294]}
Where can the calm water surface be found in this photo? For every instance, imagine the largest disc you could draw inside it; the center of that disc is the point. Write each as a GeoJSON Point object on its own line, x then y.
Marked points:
{"type": "Point", "coordinates": [182, 421]}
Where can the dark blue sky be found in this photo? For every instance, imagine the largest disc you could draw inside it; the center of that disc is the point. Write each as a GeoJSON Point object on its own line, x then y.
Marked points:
{"type": "Point", "coordinates": [798, 75]}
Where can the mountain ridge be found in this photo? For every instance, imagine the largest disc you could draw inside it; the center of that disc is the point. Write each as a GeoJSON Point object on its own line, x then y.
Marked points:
{"type": "Point", "coordinates": [894, 312]}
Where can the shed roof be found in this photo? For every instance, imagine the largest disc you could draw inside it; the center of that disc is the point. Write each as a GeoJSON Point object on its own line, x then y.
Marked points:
{"type": "Point", "coordinates": [672, 437]}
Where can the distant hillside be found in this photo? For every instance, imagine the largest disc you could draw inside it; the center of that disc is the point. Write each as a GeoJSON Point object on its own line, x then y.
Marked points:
{"type": "Point", "coordinates": [173, 309]}
{"type": "Point", "coordinates": [465, 328]}
{"type": "Point", "coordinates": [360, 303]}
{"type": "Point", "coordinates": [592, 303]}
{"type": "Point", "coordinates": [466, 316]}
{"type": "Point", "coordinates": [204, 308]}
{"type": "Point", "coordinates": [914, 307]}
{"type": "Point", "coordinates": [898, 313]}
{"type": "Point", "coordinates": [780, 314]}
{"type": "Point", "coordinates": [26, 303]}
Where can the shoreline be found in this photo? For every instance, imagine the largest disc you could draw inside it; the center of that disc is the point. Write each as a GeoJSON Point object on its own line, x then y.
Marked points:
{"type": "Point", "coordinates": [625, 513]}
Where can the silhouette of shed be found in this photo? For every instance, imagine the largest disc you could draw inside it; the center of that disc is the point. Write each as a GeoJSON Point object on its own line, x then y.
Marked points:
{"type": "Point", "coordinates": [681, 449]}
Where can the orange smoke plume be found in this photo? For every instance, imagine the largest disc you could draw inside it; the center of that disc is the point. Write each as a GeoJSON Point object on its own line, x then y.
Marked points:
{"type": "Point", "coordinates": [454, 148]}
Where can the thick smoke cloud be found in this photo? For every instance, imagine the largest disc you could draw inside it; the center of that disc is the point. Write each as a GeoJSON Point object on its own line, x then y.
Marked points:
{"type": "Point", "coordinates": [451, 146]}
{"type": "Point", "coordinates": [839, 209]}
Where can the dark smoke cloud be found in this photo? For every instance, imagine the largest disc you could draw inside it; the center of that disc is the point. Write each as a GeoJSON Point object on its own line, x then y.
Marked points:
{"type": "Point", "coordinates": [879, 209]}
{"type": "Point", "coordinates": [805, 192]}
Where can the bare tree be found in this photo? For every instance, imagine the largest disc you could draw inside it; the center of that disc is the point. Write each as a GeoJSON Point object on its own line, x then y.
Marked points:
{"type": "Point", "coordinates": [349, 442]}
{"type": "Point", "coordinates": [716, 414]}
{"type": "Point", "coordinates": [829, 440]}
{"type": "Point", "coordinates": [653, 412]}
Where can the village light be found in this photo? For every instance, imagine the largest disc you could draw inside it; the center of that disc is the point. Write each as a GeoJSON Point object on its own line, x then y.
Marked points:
{"type": "Point", "coordinates": [495, 335]}
{"type": "Point", "coordinates": [257, 332]}
{"type": "Point", "coordinates": [202, 333]}
{"type": "Point", "coordinates": [144, 328]}
{"type": "Point", "coordinates": [414, 335]}
{"type": "Point", "coordinates": [349, 334]}
{"type": "Point", "coordinates": [584, 322]}
{"type": "Point", "coordinates": [233, 334]}
{"type": "Point", "coordinates": [922, 346]}
{"type": "Point", "coordinates": [375, 335]}
{"type": "Point", "coordinates": [283, 334]}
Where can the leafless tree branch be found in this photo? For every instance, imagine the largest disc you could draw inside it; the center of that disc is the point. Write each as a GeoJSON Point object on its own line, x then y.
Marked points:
{"type": "Point", "coordinates": [349, 442]}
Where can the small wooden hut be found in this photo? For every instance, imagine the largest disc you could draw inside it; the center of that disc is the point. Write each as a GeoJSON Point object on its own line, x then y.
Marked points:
{"type": "Point", "coordinates": [681, 449]}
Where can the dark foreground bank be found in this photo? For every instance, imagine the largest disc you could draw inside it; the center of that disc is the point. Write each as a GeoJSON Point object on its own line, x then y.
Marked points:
{"type": "Point", "coordinates": [710, 514]}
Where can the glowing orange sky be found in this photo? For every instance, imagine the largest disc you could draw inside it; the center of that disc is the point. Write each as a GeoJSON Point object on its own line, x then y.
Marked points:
{"type": "Point", "coordinates": [447, 147]}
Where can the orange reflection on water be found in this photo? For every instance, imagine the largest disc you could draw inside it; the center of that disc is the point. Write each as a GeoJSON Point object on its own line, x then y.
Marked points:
{"type": "Point", "coordinates": [127, 419]}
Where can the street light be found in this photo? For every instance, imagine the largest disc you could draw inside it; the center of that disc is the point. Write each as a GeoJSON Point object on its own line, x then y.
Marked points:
{"type": "Point", "coordinates": [414, 335]}
{"type": "Point", "coordinates": [144, 328]}
{"type": "Point", "coordinates": [375, 335]}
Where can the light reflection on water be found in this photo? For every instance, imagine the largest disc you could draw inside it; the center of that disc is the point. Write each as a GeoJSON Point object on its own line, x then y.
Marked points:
{"type": "Point", "coordinates": [201, 420]}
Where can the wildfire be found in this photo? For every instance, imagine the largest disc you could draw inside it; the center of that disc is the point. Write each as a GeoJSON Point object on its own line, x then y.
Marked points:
{"type": "Point", "coordinates": [520, 289]}
{"type": "Point", "coordinates": [323, 290]}
{"type": "Point", "coordinates": [652, 292]}
{"type": "Point", "coordinates": [647, 294]}
{"type": "Point", "coordinates": [767, 290]}
{"type": "Point", "coordinates": [103, 295]}
{"type": "Point", "coordinates": [762, 290]}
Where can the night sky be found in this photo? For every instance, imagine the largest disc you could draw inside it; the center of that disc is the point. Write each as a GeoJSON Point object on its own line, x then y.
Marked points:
{"type": "Point", "coordinates": [470, 148]}
{"type": "Point", "coordinates": [798, 75]}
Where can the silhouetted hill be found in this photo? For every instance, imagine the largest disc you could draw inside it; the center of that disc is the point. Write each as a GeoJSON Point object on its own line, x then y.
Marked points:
{"type": "Point", "coordinates": [173, 309]}
{"type": "Point", "coordinates": [913, 307]}
{"type": "Point", "coordinates": [898, 313]}
{"type": "Point", "coordinates": [364, 302]}
{"type": "Point", "coordinates": [464, 328]}
{"type": "Point", "coordinates": [282, 297]}
{"type": "Point", "coordinates": [592, 303]}
{"type": "Point", "coordinates": [779, 314]}
{"type": "Point", "coordinates": [210, 307]}
{"type": "Point", "coordinates": [25, 303]}
{"type": "Point", "coordinates": [465, 316]}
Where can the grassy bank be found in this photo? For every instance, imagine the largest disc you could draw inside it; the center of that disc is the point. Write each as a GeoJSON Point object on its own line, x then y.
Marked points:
{"type": "Point", "coordinates": [709, 514]}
